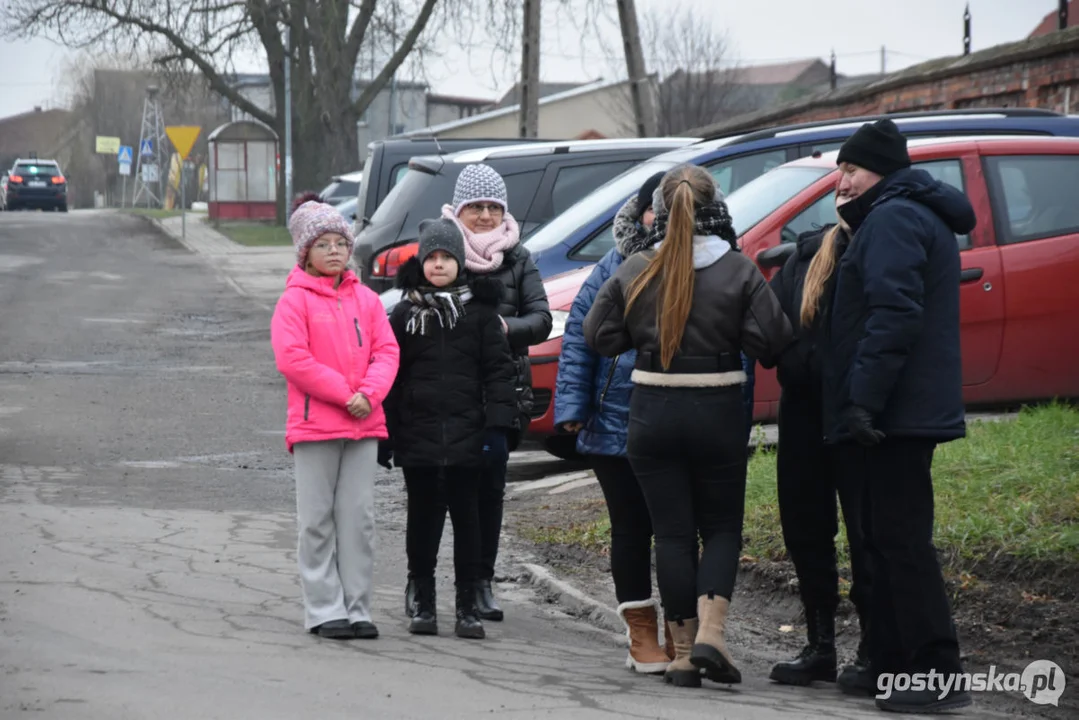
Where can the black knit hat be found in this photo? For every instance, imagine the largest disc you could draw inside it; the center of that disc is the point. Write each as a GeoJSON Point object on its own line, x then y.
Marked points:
{"type": "Point", "coordinates": [442, 234]}
{"type": "Point", "coordinates": [878, 147]}
{"type": "Point", "coordinates": [644, 195]}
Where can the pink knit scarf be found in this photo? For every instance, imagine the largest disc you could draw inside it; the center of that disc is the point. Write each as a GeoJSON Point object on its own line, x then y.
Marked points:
{"type": "Point", "coordinates": [484, 252]}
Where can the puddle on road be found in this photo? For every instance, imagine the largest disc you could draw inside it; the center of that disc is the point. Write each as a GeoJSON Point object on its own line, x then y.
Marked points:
{"type": "Point", "coordinates": [10, 263]}
{"type": "Point", "coordinates": [114, 320]}
{"type": "Point", "coordinates": [152, 464]}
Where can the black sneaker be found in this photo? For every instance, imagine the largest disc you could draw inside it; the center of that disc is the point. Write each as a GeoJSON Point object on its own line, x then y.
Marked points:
{"type": "Point", "coordinates": [364, 630]}
{"type": "Point", "coordinates": [334, 630]}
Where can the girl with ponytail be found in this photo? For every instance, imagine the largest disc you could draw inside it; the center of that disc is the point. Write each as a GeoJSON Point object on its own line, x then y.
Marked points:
{"type": "Point", "coordinates": [807, 474]}
{"type": "Point", "coordinates": [689, 307]}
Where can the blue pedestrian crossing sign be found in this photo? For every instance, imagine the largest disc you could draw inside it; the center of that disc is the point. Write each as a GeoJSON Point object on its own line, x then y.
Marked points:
{"type": "Point", "coordinates": [124, 156]}
{"type": "Point", "coordinates": [146, 147]}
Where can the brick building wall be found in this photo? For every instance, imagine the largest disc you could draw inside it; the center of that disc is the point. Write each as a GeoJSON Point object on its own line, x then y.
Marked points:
{"type": "Point", "coordinates": [1041, 72]}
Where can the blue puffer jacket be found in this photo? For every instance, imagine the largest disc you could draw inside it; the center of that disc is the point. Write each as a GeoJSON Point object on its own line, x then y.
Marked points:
{"type": "Point", "coordinates": [592, 389]}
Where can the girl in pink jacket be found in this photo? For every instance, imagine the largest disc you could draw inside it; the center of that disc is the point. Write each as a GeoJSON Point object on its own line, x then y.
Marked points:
{"type": "Point", "coordinates": [334, 345]}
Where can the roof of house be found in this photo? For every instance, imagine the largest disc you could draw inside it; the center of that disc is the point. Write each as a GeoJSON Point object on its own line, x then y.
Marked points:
{"type": "Point", "coordinates": [1049, 23]}
{"type": "Point", "coordinates": [459, 100]}
{"type": "Point", "coordinates": [513, 95]}
{"type": "Point", "coordinates": [501, 111]}
{"type": "Point", "coordinates": [778, 74]}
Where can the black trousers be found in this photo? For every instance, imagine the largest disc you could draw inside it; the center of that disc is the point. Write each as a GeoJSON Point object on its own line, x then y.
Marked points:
{"type": "Point", "coordinates": [492, 491]}
{"type": "Point", "coordinates": [809, 474]}
{"type": "Point", "coordinates": [430, 491]}
{"type": "Point", "coordinates": [631, 528]}
{"type": "Point", "coordinates": [687, 447]}
{"type": "Point", "coordinates": [910, 628]}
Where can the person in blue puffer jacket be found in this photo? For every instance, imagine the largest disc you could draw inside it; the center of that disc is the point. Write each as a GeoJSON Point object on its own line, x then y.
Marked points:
{"type": "Point", "coordinates": [592, 399]}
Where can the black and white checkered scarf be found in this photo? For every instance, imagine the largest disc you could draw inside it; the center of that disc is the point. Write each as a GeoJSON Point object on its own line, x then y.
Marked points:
{"type": "Point", "coordinates": [446, 306]}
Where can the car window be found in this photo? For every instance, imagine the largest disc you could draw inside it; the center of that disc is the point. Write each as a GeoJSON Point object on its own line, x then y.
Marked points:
{"type": "Point", "coordinates": [43, 170]}
{"type": "Point", "coordinates": [575, 181]}
{"type": "Point", "coordinates": [398, 173]}
{"type": "Point", "coordinates": [822, 212]}
{"type": "Point", "coordinates": [814, 217]}
{"type": "Point", "coordinates": [950, 172]}
{"type": "Point", "coordinates": [521, 189]}
{"type": "Point", "coordinates": [598, 246]}
{"type": "Point", "coordinates": [587, 209]}
{"type": "Point", "coordinates": [733, 173]}
{"type": "Point", "coordinates": [822, 147]}
{"type": "Point", "coordinates": [1034, 196]}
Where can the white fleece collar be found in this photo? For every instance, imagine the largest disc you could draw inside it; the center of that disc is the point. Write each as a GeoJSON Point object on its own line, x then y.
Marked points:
{"type": "Point", "coordinates": [707, 250]}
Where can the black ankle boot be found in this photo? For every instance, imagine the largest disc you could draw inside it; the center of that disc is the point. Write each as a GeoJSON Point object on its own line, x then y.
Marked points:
{"type": "Point", "coordinates": [425, 619]}
{"type": "Point", "coordinates": [817, 661]}
{"type": "Point", "coordinates": [486, 604]}
{"type": "Point", "coordinates": [410, 597]}
{"type": "Point", "coordinates": [856, 678]}
{"type": "Point", "coordinates": [468, 621]}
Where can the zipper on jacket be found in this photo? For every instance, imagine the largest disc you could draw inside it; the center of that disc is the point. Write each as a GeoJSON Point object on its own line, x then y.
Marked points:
{"type": "Point", "coordinates": [359, 337]}
{"type": "Point", "coordinates": [306, 406]}
{"type": "Point", "coordinates": [610, 377]}
{"type": "Point", "coordinates": [442, 384]}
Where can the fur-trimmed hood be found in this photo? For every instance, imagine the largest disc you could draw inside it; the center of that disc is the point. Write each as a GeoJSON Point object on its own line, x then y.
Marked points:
{"type": "Point", "coordinates": [629, 236]}
{"type": "Point", "coordinates": [485, 289]}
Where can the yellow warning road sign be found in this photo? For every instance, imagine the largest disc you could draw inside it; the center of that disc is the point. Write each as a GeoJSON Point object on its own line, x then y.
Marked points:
{"type": "Point", "coordinates": [183, 138]}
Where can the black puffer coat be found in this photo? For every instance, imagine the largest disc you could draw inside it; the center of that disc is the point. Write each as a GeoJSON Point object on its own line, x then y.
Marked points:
{"type": "Point", "coordinates": [452, 384]}
{"type": "Point", "coordinates": [893, 335]}
{"type": "Point", "coordinates": [528, 316]}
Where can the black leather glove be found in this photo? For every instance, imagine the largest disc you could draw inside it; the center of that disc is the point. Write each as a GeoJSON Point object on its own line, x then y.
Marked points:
{"type": "Point", "coordinates": [385, 454]}
{"type": "Point", "coordinates": [860, 425]}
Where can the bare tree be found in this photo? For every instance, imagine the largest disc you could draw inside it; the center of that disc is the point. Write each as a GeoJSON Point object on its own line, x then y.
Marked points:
{"type": "Point", "coordinates": [697, 81]}
{"type": "Point", "coordinates": [209, 35]}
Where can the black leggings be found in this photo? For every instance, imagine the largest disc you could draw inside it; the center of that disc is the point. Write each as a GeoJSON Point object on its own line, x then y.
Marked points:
{"type": "Point", "coordinates": [809, 474]}
{"type": "Point", "coordinates": [687, 447]}
{"type": "Point", "coordinates": [430, 490]}
{"type": "Point", "coordinates": [631, 528]}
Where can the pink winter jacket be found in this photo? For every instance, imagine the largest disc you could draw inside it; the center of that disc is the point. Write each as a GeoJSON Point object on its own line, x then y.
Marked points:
{"type": "Point", "coordinates": [331, 344]}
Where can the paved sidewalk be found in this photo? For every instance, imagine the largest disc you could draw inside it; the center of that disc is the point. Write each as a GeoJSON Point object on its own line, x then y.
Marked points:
{"type": "Point", "coordinates": [257, 272]}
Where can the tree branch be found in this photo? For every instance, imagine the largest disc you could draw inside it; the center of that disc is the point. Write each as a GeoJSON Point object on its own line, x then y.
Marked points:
{"type": "Point", "coordinates": [397, 58]}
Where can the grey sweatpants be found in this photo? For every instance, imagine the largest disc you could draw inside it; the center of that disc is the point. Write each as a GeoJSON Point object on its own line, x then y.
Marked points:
{"type": "Point", "coordinates": [335, 512]}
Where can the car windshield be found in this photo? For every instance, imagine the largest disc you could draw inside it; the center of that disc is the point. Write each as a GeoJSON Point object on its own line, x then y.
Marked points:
{"type": "Point", "coordinates": [588, 208]}
{"type": "Point", "coordinates": [759, 198]}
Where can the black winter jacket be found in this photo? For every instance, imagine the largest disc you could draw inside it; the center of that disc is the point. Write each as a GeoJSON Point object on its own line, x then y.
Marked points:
{"type": "Point", "coordinates": [524, 307]}
{"type": "Point", "coordinates": [452, 384]}
{"type": "Point", "coordinates": [893, 338]}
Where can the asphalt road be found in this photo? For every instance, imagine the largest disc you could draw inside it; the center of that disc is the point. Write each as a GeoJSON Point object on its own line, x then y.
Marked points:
{"type": "Point", "coordinates": [147, 565]}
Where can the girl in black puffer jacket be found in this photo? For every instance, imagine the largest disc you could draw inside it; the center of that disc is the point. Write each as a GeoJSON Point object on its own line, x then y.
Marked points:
{"type": "Point", "coordinates": [454, 394]}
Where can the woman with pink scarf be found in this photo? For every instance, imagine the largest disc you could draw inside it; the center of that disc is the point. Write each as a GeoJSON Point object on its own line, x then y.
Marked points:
{"type": "Point", "coordinates": [493, 249]}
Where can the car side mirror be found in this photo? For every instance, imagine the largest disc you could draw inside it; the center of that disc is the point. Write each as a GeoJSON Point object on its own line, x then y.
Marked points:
{"type": "Point", "coordinates": [776, 256]}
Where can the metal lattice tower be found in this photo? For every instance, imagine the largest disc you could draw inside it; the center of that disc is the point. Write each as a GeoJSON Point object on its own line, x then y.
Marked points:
{"type": "Point", "coordinates": [153, 128]}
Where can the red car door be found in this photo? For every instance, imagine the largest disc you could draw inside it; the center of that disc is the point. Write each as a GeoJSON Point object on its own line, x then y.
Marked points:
{"type": "Point", "coordinates": [1037, 221]}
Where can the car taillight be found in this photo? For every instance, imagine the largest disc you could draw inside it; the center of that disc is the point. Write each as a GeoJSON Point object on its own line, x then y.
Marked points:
{"type": "Point", "coordinates": [388, 262]}
{"type": "Point", "coordinates": [57, 179]}
{"type": "Point", "coordinates": [15, 179]}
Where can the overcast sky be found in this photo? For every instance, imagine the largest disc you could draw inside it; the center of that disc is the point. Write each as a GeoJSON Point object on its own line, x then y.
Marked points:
{"type": "Point", "coordinates": [758, 31]}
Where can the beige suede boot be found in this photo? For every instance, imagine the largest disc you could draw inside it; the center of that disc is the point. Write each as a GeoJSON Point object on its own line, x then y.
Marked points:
{"type": "Point", "coordinates": [681, 672]}
{"type": "Point", "coordinates": [709, 651]}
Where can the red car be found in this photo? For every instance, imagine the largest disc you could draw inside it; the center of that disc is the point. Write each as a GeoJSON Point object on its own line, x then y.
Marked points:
{"type": "Point", "coordinates": [1020, 278]}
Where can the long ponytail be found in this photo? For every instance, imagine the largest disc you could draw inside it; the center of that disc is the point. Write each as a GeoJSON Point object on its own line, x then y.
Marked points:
{"type": "Point", "coordinates": [820, 270]}
{"type": "Point", "coordinates": [683, 190]}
